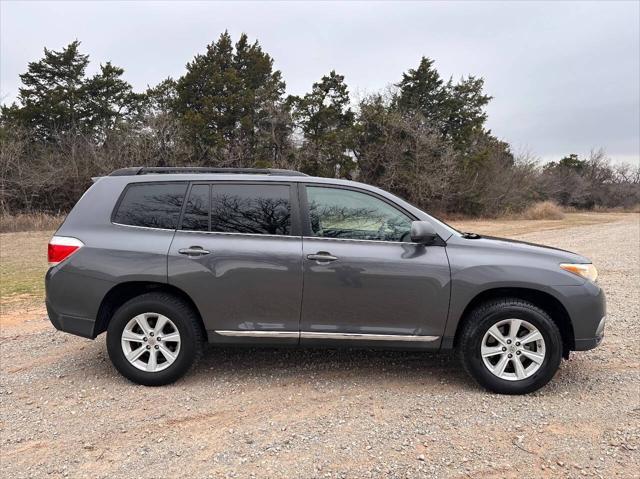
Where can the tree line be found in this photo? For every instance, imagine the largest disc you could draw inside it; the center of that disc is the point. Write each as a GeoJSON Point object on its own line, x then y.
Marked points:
{"type": "Point", "coordinates": [424, 139]}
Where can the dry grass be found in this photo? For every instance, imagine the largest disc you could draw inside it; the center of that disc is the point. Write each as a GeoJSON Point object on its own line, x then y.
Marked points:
{"type": "Point", "coordinates": [627, 209]}
{"type": "Point", "coordinates": [22, 275]}
{"type": "Point", "coordinates": [513, 227]}
{"type": "Point", "coordinates": [544, 210]}
{"type": "Point", "coordinates": [29, 222]}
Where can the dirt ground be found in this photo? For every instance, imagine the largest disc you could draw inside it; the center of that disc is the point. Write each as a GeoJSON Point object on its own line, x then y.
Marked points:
{"type": "Point", "coordinates": [65, 412]}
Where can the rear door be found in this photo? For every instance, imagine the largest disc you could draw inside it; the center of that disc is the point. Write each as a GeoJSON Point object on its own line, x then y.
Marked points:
{"type": "Point", "coordinates": [364, 281]}
{"type": "Point", "coordinates": [238, 255]}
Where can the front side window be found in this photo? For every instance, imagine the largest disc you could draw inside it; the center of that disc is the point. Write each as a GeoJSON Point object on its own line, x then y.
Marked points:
{"type": "Point", "coordinates": [255, 209]}
{"type": "Point", "coordinates": [347, 214]}
{"type": "Point", "coordinates": [152, 205]}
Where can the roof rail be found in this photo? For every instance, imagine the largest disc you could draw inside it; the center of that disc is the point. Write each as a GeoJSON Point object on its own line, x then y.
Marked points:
{"type": "Point", "coordinates": [143, 170]}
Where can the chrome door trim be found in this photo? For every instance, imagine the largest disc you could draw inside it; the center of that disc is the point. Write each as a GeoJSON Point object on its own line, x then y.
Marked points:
{"type": "Point", "coordinates": [226, 233]}
{"type": "Point", "coordinates": [326, 238]}
{"type": "Point", "coordinates": [323, 335]}
{"type": "Point", "coordinates": [143, 227]}
{"type": "Point", "coordinates": [258, 334]}
{"type": "Point", "coordinates": [367, 337]}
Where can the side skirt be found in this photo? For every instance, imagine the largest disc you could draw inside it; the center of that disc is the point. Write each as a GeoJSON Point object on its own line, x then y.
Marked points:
{"type": "Point", "coordinates": [323, 335]}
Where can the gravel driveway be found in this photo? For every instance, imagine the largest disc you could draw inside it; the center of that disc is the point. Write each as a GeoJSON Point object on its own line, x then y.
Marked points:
{"type": "Point", "coordinates": [65, 412]}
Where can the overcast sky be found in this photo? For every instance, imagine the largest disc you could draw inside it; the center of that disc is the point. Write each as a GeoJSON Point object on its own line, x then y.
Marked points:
{"type": "Point", "coordinates": [565, 77]}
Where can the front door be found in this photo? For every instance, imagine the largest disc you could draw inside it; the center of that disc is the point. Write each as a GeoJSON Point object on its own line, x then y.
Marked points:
{"type": "Point", "coordinates": [364, 281]}
{"type": "Point", "coordinates": [237, 254]}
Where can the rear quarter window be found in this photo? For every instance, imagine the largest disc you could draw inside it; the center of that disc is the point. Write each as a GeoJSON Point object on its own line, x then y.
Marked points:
{"type": "Point", "coordinates": [151, 205]}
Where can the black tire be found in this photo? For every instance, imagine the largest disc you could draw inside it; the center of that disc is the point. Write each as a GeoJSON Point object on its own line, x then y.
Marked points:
{"type": "Point", "coordinates": [490, 313]}
{"type": "Point", "coordinates": [184, 318]}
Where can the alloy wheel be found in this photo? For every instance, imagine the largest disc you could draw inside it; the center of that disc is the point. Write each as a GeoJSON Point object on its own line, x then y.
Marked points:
{"type": "Point", "coordinates": [150, 342]}
{"type": "Point", "coordinates": [513, 349]}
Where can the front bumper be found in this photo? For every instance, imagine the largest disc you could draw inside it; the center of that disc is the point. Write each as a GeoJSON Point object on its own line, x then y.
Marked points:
{"type": "Point", "coordinates": [590, 343]}
{"type": "Point", "coordinates": [587, 308]}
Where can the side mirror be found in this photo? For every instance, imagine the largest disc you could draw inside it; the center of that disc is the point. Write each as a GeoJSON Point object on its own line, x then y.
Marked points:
{"type": "Point", "coordinates": [422, 232]}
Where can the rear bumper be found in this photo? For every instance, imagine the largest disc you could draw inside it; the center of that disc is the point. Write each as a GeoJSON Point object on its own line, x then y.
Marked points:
{"type": "Point", "coordinates": [73, 301]}
{"type": "Point", "coordinates": [71, 324]}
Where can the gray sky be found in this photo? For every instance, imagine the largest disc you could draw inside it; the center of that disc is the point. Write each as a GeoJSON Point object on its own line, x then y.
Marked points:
{"type": "Point", "coordinates": [565, 77]}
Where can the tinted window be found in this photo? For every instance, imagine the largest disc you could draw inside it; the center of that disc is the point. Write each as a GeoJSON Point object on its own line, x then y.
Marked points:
{"type": "Point", "coordinates": [196, 212]}
{"type": "Point", "coordinates": [338, 213]}
{"type": "Point", "coordinates": [151, 205]}
{"type": "Point", "coordinates": [258, 209]}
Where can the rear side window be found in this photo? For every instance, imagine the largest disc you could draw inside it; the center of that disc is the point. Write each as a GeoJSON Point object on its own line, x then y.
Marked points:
{"type": "Point", "coordinates": [152, 205]}
{"type": "Point", "coordinates": [256, 209]}
{"type": "Point", "coordinates": [196, 213]}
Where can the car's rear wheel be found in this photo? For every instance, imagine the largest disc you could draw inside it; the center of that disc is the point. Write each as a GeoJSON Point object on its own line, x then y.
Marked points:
{"type": "Point", "coordinates": [154, 339]}
{"type": "Point", "coordinates": [510, 346]}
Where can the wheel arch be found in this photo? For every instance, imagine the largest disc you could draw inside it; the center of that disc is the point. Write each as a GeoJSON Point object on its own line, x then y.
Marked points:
{"type": "Point", "coordinates": [543, 300]}
{"type": "Point", "coordinates": [123, 292]}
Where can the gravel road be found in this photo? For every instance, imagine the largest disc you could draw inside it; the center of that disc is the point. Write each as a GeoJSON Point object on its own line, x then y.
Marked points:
{"type": "Point", "coordinates": [65, 412]}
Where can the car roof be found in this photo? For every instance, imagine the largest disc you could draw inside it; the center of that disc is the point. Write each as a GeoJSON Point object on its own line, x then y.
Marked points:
{"type": "Point", "coordinates": [249, 177]}
{"type": "Point", "coordinates": [147, 170]}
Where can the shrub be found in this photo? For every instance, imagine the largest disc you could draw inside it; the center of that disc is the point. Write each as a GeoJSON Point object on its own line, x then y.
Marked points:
{"type": "Point", "coordinates": [544, 210]}
{"type": "Point", "coordinates": [633, 209]}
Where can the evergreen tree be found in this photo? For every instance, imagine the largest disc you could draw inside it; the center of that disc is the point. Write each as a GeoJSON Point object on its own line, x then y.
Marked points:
{"type": "Point", "coordinates": [327, 124]}
{"type": "Point", "coordinates": [162, 98]}
{"type": "Point", "coordinates": [456, 110]}
{"type": "Point", "coordinates": [225, 98]}
{"type": "Point", "coordinates": [58, 100]}
{"type": "Point", "coordinates": [205, 92]}
{"type": "Point", "coordinates": [51, 98]}
{"type": "Point", "coordinates": [110, 101]}
{"type": "Point", "coordinates": [464, 110]}
{"type": "Point", "coordinates": [423, 91]}
{"type": "Point", "coordinates": [570, 163]}
{"type": "Point", "coordinates": [162, 125]}
{"type": "Point", "coordinates": [261, 91]}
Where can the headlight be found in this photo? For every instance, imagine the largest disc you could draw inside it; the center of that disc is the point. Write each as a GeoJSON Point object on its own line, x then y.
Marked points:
{"type": "Point", "coordinates": [586, 270]}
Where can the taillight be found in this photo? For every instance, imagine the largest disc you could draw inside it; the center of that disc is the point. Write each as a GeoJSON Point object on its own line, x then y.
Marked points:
{"type": "Point", "coordinates": [61, 247]}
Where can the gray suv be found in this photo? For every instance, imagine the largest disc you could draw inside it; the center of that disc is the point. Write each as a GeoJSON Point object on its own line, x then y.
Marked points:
{"type": "Point", "coordinates": [164, 259]}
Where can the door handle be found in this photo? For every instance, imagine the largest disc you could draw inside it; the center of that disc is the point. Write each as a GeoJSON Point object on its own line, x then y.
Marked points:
{"type": "Point", "coordinates": [322, 257]}
{"type": "Point", "coordinates": [194, 251]}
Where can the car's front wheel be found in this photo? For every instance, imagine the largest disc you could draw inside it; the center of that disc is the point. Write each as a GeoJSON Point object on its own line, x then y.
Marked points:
{"type": "Point", "coordinates": [510, 346]}
{"type": "Point", "coordinates": [154, 339]}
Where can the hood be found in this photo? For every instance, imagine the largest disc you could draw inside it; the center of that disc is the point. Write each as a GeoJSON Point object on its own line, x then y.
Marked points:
{"type": "Point", "coordinates": [524, 247]}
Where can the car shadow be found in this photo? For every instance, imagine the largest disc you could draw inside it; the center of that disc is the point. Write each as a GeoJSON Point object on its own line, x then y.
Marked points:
{"type": "Point", "coordinates": [364, 367]}
{"type": "Point", "coordinates": [247, 363]}
{"type": "Point", "coordinates": [255, 363]}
